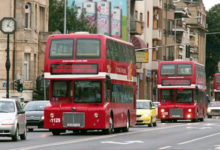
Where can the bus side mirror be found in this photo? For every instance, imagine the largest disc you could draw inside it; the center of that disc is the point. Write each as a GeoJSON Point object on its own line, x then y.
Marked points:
{"type": "Point", "coordinates": [197, 90]}
{"type": "Point", "coordinates": [154, 90]}
{"type": "Point", "coordinates": [109, 83]}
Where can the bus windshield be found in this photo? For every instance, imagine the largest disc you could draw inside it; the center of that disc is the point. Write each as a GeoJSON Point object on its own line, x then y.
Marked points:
{"type": "Point", "coordinates": [184, 69]}
{"type": "Point", "coordinates": [87, 92]}
{"type": "Point", "coordinates": [88, 48]}
{"type": "Point", "coordinates": [184, 96]}
{"type": "Point", "coordinates": [217, 79]}
{"type": "Point", "coordinates": [168, 70]}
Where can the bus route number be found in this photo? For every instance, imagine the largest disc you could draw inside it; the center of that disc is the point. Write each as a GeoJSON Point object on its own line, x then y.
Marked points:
{"type": "Point", "coordinates": [55, 120]}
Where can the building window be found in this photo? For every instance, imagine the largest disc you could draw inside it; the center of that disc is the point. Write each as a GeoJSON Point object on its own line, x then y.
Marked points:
{"type": "Point", "coordinates": [42, 19]}
{"type": "Point", "coordinates": [26, 66]}
{"type": "Point", "coordinates": [141, 17]}
{"type": "Point", "coordinates": [27, 16]}
{"type": "Point", "coordinates": [148, 19]}
{"type": "Point", "coordinates": [136, 14]}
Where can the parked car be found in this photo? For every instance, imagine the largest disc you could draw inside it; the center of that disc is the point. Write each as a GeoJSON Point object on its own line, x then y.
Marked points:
{"type": "Point", "coordinates": [12, 120]}
{"type": "Point", "coordinates": [34, 111]}
{"type": "Point", "coordinates": [156, 105]}
{"type": "Point", "coordinates": [146, 113]}
{"type": "Point", "coordinates": [213, 109]}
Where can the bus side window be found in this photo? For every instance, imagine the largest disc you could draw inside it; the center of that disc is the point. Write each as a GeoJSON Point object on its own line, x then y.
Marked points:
{"type": "Point", "coordinates": [112, 49]}
{"type": "Point", "coordinates": [133, 55]}
{"type": "Point", "coordinates": [108, 49]}
{"type": "Point", "coordinates": [121, 54]}
{"type": "Point", "coordinates": [116, 51]}
{"type": "Point", "coordinates": [124, 53]}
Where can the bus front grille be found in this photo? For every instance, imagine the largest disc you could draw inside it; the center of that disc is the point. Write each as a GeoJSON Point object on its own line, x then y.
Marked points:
{"type": "Point", "coordinates": [74, 120]}
{"type": "Point", "coordinates": [176, 113]}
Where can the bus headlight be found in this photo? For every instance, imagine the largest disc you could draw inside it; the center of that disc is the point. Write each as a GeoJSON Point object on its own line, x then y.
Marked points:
{"type": "Point", "coordinates": [189, 110]}
{"type": "Point", "coordinates": [96, 115]}
{"type": "Point", "coordinates": [188, 116]}
{"type": "Point", "coordinates": [51, 115]}
{"type": "Point", "coordinates": [162, 110]}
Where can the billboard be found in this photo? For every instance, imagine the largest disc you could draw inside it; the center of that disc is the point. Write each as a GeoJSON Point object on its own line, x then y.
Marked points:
{"type": "Point", "coordinates": [109, 16]}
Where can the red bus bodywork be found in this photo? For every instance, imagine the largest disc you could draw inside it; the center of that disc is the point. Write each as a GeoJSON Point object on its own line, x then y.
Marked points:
{"type": "Point", "coordinates": [173, 86]}
{"type": "Point", "coordinates": [217, 86]}
{"type": "Point", "coordinates": [61, 113]}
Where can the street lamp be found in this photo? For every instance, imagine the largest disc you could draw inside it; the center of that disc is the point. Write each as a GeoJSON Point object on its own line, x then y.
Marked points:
{"type": "Point", "coordinates": [197, 17]}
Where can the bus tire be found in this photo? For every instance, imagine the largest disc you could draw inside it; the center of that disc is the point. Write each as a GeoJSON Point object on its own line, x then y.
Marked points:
{"type": "Point", "coordinates": [126, 129]}
{"type": "Point", "coordinates": [55, 132]}
{"type": "Point", "coordinates": [111, 124]}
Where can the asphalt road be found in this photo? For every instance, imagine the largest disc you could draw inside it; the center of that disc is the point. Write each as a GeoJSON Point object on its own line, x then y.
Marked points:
{"type": "Point", "coordinates": [181, 135]}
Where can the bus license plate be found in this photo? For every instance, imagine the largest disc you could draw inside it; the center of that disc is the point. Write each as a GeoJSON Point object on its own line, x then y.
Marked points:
{"type": "Point", "coordinates": [73, 125]}
{"type": "Point", "coordinates": [175, 116]}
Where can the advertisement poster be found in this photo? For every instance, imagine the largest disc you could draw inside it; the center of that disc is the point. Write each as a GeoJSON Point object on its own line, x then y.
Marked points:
{"type": "Point", "coordinates": [109, 16]}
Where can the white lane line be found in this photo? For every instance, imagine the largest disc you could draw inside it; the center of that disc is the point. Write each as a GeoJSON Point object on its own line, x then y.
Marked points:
{"type": "Point", "coordinates": [199, 138]}
{"type": "Point", "coordinates": [94, 138]}
{"type": "Point", "coordinates": [165, 147]}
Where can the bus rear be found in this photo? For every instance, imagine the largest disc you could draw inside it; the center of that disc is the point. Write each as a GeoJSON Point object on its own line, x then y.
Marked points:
{"type": "Point", "coordinates": [81, 89]}
{"type": "Point", "coordinates": [182, 90]}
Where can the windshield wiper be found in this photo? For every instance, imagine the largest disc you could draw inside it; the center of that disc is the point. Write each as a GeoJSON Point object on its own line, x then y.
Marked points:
{"type": "Point", "coordinates": [3, 111]}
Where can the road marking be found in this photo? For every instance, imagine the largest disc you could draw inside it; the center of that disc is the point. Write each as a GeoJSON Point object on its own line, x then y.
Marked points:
{"type": "Point", "coordinates": [198, 128]}
{"type": "Point", "coordinates": [218, 147]}
{"type": "Point", "coordinates": [210, 124]}
{"type": "Point", "coordinates": [165, 147]}
{"type": "Point", "coordinates": [122, 143]}
{"type": "Point", "coordinates": [94, 138]}
{"type": "Point", "coordinates": [199, 139]}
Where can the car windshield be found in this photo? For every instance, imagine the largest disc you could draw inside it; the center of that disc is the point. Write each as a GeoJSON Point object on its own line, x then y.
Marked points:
{"type": "Point", "coordinates": [214, 104]}
{"type": "Point", "coordinates": [143, 105]}
{"type": "Point", "coordinates": [87, 92]}
{"type": "Point", "coordinates": [35, 106]}
{"type": "Point", "coordinates": [7, 107]}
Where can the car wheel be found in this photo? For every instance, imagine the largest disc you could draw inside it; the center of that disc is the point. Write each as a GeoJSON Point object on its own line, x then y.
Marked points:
{"type": "Point", "coordinates": [126, 129]}
{"type": "Point", "coordinates": [15, 137]}
{"type": "Point", "coordinates": [151, 123]}
{"type": "Point", "coordinates": [24, 135]}
{"type": "Point", "coordinates": [110, 129]}
{"type": "Point", "coordinates": [55, 132]}
{"type": "Point", "coordinates": [30, 130]}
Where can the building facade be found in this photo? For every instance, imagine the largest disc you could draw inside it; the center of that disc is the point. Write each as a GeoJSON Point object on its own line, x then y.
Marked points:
{"type": "Point", "coordinates": [27, 44]}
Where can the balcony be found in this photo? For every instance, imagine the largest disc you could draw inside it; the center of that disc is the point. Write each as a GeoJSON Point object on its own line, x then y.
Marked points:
{"type": "Point", "coordinates": [157, 4]}
{"type": "Point", "coordinates": [180, 26]}
{"type": "Point", "coordinates": [193, 44]}
{"type": "Point", "coordinates": [157, 34]}
{"type": "Point", "coordinates": [136, 27]}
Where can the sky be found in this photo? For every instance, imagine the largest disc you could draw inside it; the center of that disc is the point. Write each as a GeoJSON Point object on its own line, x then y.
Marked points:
{"type": "Point", "coordinates": [209, 3]}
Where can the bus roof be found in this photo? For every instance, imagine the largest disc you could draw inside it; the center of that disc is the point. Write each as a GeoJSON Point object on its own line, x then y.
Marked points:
{"type": "Point", "coordinates": [88, 35]}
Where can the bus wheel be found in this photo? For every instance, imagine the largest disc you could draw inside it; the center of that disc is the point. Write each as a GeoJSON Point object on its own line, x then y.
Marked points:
{"type": "Point", "coordinates": [126, 129]}
{"type": "Point", "coordinates": [110, 129]}
{"type": "Point", "coordinates": [55, 132]}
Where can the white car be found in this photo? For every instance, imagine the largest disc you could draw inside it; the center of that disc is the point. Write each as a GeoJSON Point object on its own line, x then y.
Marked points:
{"type": "Point", "coordinates": [156, 105]}
{"type": "Point", "coordinates": [12, 120]}
{"type": "Point", "coordinates": [213, 109]}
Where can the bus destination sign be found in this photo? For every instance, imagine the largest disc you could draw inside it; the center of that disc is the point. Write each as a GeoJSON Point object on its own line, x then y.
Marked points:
{"type": "Point", "coordinates": [74, 69]}
{"type": "Point", "coordinates": [176, 82]}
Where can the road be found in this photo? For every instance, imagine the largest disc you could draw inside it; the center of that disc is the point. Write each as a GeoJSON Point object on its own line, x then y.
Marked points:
{"type": "Point", "coordinates": [181, 135]}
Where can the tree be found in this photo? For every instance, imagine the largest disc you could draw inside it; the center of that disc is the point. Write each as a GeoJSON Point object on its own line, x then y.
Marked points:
{"type": "Point", "coordinates": [73, 22]}
{"type": "Point", "coordinates": [213, 41]}
{"type": "Point", "coordinates": [39, 94]}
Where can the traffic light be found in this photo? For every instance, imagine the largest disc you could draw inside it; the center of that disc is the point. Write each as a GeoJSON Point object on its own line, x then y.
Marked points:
{"type": "Point", "coordinates": [187, 51]}
{"type": "Point", "coordinates": [20, 87]}
{"type": "Point", "coordinates": [17, 83]}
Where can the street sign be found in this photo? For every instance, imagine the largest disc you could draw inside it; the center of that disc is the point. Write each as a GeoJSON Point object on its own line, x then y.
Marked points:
{"type": "Point", "coordinates": [4, 84]}
{"type": "Point", "coordinates": [141, 57]}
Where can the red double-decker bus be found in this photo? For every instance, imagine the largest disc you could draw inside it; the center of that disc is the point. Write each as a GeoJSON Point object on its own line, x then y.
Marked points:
{"type": "Point", "coordinates": [216, 85]}
{"type": "Point", "coordinates": [182, 91]}
{"type": "Point", "coordinates": [92, 83]}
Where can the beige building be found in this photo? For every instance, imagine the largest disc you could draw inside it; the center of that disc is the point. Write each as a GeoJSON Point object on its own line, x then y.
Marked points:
{"type": "Point", "coordinates": [27, 45]}
{"type": "Point", "coordinates": [153, 27]}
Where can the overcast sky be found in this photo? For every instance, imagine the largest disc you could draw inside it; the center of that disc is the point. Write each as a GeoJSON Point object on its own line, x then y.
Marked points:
{"type": "Point", "coordinates": [209, 3]}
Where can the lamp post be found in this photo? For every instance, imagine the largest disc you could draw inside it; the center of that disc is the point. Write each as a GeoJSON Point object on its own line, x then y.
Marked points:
{"type": "Point", "coordinates": [64, 28]}
{"type": "Point", "coordinates": [197, 17]}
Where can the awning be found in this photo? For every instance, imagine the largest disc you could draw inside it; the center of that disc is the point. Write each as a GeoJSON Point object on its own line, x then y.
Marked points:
{"type": "Point", "coordinates": [137, 42]}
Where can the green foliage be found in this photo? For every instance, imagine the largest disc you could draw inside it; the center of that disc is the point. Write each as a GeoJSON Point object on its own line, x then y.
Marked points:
{"type": "Point", "coordinates": [39, 94]}
{"type": "Point", "coordinates": [56, 18]}
{"type": "Point", "coordinates": [213, 41]}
